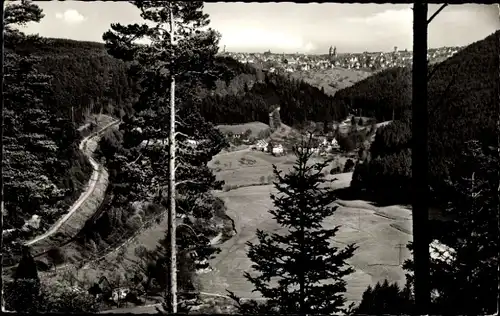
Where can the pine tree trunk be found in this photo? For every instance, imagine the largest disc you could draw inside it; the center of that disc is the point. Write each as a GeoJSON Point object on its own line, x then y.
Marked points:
{"type": "Point", "coordinates": [302, 249]}
{"type": "Point", "coordinates": [1, 153]}
{"type": "Point", "coordinates": [498, 212]}
{"type": "Point", "coordinates": [420, 160]}
{"type": "Point", "coordinates": [171, 214]}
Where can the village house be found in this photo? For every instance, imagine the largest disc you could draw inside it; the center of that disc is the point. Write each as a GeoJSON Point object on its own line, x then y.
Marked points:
{"type": "Point", "coordinates": [441, 252]}
{"type": "Point", "coordinates": [330, 143]}
{"type": "Point", "coordinates": [261, 145]}
{"type": "Point", "coordinates": [277, 150]}
{"type": "Point", "coordinates": [119, 294]}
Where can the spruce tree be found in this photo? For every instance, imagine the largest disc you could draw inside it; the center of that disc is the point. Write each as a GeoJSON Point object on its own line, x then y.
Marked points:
{"type": "Point", "coordinates": [308, 269]}
{"type": "Point", "coordinates": [22, 294]}
{"type": "Point", "coordinates": [386, 299]}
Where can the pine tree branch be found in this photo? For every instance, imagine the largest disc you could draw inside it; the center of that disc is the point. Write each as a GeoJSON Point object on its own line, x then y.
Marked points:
{"type": "Point", "coordinates": [180, 133]}
{"type": "Point", "coordinates": [188, 182]}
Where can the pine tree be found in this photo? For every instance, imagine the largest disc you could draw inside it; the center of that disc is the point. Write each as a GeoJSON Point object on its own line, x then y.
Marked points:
{"type": "Point", "coordinates": [309, 271]}
{"type": "Point", "coordinates": [366, 301]}
{"type": "Point", "coordinates": [183, 54]}
{"type": "Point", "coordinates": [385, 299]}
{"type": "Point", "coordinates": [22, 294]}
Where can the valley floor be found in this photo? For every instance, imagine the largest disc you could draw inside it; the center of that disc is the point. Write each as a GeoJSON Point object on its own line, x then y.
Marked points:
{"type": "Point", "coordinates": [377, 232]}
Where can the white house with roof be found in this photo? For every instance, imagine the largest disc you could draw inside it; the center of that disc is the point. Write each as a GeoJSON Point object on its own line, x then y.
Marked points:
{"type": "Point", "coordinates": [119, 294]}
{"type": "Point", "coordinates": [261, 145]}
{"type": "Point", "coordinates": [335, 143]}
{"type": "Point", "coordinates": [278, 149]}
{"type": "Point", "coordinates": [441, 252]}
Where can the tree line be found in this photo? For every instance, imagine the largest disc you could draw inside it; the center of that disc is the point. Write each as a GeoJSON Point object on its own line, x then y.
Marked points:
{"type": "Point", "coordinates": [85, 79]}
{"type": "Point", "coordinates": [254, 96]}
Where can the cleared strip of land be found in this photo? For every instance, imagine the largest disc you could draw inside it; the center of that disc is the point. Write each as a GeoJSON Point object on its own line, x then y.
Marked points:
{"type": "Point", "coordinates": [72, 222]}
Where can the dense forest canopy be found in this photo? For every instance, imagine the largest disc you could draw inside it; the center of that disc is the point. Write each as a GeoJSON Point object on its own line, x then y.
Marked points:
{"type": "Point", "coordinates": [84, 77]}
{"type": "Point", "coordinates": [87, 78]}
{"type": "Point", "coordinates": [44, 171]}
{"type": "Point", "coordinates": [463, 98]}
{"type": "Point", "coordinates": [253, 94]}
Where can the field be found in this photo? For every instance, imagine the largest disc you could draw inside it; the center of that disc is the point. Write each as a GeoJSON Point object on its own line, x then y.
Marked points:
{"type": "Point", "coordinates": [332, 80]}
{"type": "Point", "coordinates": [248, 167]}
{"type": "Point", "coordinates": [255, 127]}
{"type": "Point", "coordinates": [377, 232]}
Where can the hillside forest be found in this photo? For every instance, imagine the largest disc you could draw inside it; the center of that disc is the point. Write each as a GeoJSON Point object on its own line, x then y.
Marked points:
{"type": "Point", "coordinates": [53, 86]}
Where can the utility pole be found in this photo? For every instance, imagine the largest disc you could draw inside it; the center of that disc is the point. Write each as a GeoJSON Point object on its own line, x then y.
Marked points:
{"type": "Point", "coordinates": [400, 247]}
{"type": "Point", "coordinates": [419, 160]}
{"type": "Point", "coordinates": [72, 115]}
{"type": "Point", "coordinates": [172, 284]}
{"type": "Point", "coordinates": [359, 219]}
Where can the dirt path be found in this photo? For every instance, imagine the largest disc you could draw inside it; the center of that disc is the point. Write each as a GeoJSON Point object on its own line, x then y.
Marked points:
{"type": "Point", "coordinates": [90, 186]}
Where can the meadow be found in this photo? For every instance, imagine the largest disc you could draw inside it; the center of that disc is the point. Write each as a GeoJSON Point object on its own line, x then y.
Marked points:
{"type": "Point", "coordinates": [377, 232]}
{"type": "Point", "coordinates": [332, 80]}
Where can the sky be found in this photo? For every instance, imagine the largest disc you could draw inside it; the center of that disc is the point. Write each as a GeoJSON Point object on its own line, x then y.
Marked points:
{"type": "Point", "coordinates": [288, 27]}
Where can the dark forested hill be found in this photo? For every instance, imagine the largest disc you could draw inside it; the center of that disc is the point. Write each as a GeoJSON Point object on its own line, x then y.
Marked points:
{"type": "Point", "coordinates": [84, 76]}
{"type": "Point", "coordinates": [252, 94]}
{"type": "Point", "coordinates": [463, 105]}
{"type": "Point", "coordinates": [50, 85]}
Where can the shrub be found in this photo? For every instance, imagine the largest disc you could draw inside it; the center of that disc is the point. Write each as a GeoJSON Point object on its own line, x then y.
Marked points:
{"type": "Point", "coordinates": [56, 256]}
{"type": "Point", "coordinates": [335, 170]}
{"type": "Point", "coordinates": [134, 222]}
{"type": "Point", "coordinates": [153, 209]}
{"type": "Point", "coordinates": [349, 165]}
{"type": "Point", "coordinates": [346, 144]}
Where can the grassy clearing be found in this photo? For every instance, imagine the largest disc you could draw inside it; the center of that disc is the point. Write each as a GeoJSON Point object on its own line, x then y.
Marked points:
{"type": "Point", "coordinates": [282, 132]}
{"type": "Point", "coordinates": [377, 237]}
{"type": "Point", "coordinates": [248, 167]}
{"type": "Point", "coordinates": [332, 80]}
{"type": "Point", "coordinates": [248, 207]}
{"type": "Point", "coordinates": [255, 127]}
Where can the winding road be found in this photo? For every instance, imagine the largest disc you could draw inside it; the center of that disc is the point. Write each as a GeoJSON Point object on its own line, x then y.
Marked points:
{"type": "Point", "coordinates": [90, 186]}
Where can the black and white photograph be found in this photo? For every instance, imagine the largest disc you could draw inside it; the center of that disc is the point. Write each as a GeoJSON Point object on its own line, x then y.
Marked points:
{"type": "Point", "coordinates": [190, 157]}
